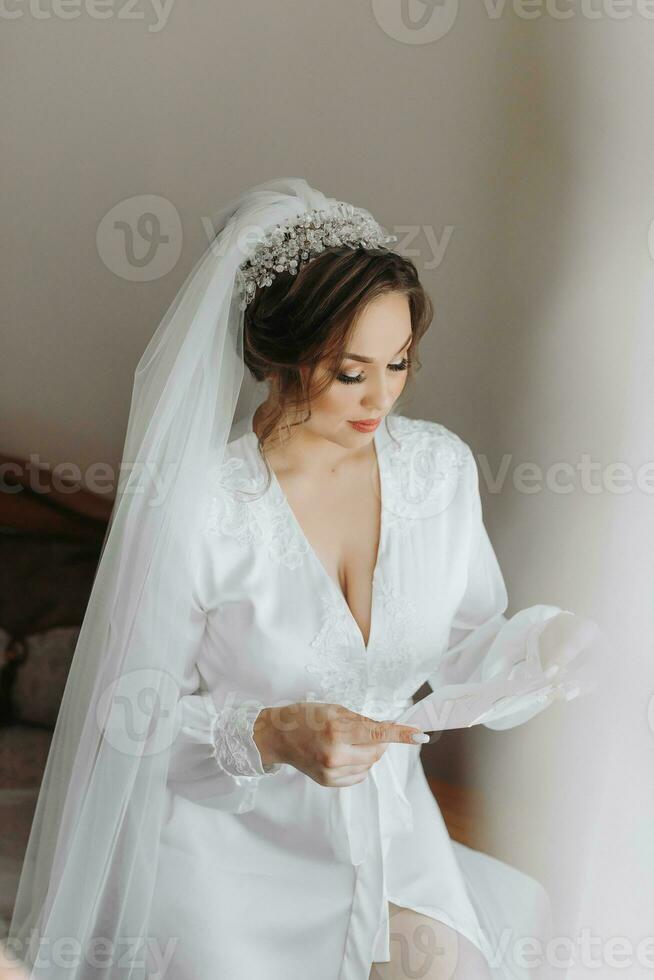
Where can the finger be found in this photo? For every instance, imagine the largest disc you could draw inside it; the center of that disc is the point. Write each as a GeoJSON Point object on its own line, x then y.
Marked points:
{"type": "Point", "coordinates": [373, 732]}
{"type": "Point", "coordinates": [338, 757]}
{"type": "Point", "coordinates": [337, 781]}
{"type": "Point", "coordinates": [341, 771]}
{"type": "Point", "coordinates": [362, 753]}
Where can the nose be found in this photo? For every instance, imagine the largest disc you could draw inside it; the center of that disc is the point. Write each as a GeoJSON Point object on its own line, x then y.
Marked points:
{"type": "Point", "coordinates": [380, 395]}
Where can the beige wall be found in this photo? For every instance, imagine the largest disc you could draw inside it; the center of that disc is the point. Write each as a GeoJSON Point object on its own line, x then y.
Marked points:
{"type": "Point", "coordinates": [529, 139]}
{"type": "Point", "coordinates": [572, 264]}
{"type": "Point", "coordinates": [214, 102]}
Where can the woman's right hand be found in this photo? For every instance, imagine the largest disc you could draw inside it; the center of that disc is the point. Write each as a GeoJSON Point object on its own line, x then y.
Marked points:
{"type": "Point", "coordinates": [329, 743]}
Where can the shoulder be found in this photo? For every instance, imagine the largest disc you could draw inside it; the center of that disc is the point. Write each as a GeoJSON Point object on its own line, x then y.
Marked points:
{"type": "Point", "coordinates": [424, 435]}
{"type": "Point", "coordinates": [238, 468]}
{"type": "Point", "coordinates": [231, 480]}
{"type": "Point", "coordinates": [430, 465]}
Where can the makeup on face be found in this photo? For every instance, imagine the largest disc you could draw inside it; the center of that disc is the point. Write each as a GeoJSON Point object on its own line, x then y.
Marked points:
{"type": "Point", "coordinates": [365, 425]}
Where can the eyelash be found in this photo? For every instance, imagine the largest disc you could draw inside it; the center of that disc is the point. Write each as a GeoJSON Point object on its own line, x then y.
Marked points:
{"type": "Point", "coordinates": [347, 379]}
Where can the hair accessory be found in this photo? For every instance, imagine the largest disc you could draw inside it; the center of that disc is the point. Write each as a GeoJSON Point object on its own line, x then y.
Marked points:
{"type": "Point", "coordinates": [291, 245]}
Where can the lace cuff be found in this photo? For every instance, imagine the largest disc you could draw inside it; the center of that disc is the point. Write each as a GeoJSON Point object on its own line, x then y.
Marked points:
{"type": "Point", "coordinates": [234, 747]}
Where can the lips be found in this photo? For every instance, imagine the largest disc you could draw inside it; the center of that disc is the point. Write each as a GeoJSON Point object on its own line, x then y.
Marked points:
{"type": "Point", "coordinates": [365, 425]}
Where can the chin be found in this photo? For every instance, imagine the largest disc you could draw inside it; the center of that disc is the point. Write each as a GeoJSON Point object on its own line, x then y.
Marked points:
{"type": "Point", "coordinates": [352, 437]}
{"type": "Point", "coordinates": [348, 439]}
{"type": "Point", "coordinates": [343, 435]}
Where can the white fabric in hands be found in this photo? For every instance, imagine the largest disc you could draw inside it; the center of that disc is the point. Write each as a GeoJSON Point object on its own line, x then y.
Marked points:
{"type": "Point", "coordinates": [518, 686]}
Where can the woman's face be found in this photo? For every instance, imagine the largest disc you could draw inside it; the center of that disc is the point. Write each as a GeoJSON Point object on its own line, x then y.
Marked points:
{"type": "Point", "coordinates": [371, 378]}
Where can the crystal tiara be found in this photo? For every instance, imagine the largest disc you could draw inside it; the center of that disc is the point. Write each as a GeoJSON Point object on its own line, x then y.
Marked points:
{"type": "Point", "coordinates": [291, 245]}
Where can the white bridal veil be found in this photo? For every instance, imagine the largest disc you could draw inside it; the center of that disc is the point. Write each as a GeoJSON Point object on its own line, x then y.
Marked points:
{"type": "Point", "coordinates": [84, 896]}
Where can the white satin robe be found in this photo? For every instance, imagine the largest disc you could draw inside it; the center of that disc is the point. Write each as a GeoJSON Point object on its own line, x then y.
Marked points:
{"type": "Point", "coordinates": [265, 873]}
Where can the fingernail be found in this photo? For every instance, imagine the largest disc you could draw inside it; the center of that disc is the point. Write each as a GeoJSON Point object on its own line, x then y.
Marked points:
{"type": "Point", "coordinates": [551, 671]}
{"type": "Point", "coordinates": [420, 737]}
{"type": "Point", "coordinates": [571, 693]}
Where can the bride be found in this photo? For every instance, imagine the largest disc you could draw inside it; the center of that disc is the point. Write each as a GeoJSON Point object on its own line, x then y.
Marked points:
{"type": "Point", "coordinates": [228, 792]}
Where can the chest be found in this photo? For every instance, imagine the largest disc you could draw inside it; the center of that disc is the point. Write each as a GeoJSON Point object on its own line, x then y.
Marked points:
{"type": "Point", "coordinates": [341, 522]}
{"type": "Point", "coordinates": [280, 627]}
{"type": "Point", "coordinates": [348, 601]}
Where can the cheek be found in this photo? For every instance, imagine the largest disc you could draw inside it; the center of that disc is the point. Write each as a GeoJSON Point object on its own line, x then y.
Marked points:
{"type": "Point", "coordinates": [402, 378]}
{"type": "Point", "coordinates": [397, 383]}
{"type": "Point", "coordinates": [338, 396]}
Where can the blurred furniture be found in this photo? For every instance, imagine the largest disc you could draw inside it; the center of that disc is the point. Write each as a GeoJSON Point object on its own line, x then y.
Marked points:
{"type": "Point", "coordinates": [50, 542]}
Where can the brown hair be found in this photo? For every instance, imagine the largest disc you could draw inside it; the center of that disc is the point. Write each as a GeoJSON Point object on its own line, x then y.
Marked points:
{"type": "Point", "coordinates": [299, 320]}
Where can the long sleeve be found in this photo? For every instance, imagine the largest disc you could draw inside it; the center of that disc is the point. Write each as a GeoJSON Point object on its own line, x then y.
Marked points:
{"type": "Point", "coordinates": [483, 643]}
{"type": "Point", "coordinates": [214, 759]}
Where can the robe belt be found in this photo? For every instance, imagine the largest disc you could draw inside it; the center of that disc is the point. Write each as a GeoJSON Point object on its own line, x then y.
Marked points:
{"type": "Point", "coordinates": [372, 811]}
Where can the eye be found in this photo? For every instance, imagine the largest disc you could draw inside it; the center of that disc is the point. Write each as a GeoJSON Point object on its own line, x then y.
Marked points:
{"type": "Point", "coordinates": [350, 379]}
{"type": "Point", "coordinates": [347, 379]}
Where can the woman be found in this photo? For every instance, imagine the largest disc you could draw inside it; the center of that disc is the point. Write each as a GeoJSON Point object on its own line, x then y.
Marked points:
{"type": "Point", "coordinates": [304, 571]}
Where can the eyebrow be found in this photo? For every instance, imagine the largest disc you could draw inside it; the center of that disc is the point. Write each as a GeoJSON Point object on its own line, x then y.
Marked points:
{"type": "Point", "coordinates": [369, 360]}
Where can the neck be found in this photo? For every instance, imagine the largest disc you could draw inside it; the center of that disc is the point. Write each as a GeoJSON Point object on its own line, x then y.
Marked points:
{"type": "Point", "coordinates": [298, 449]}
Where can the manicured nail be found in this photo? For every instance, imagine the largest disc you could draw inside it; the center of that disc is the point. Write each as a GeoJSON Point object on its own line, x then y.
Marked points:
{"type": "Point", "coordinates": [420, 737]}
{"type": "Point", "coordinates": [551, 671]}
{"type": "Point", "coordinates": [571, 693]}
